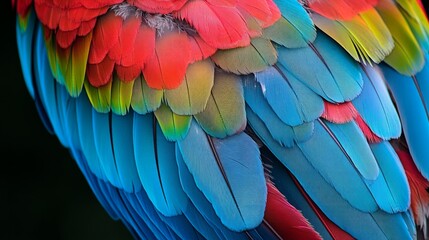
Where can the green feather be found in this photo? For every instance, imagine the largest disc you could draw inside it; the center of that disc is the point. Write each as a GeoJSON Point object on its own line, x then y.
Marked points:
{"type": "Point", "coordinates": [121, 95]}
{"type": "Point", "coordinates": [224, 114]}
{"type": "Point", "coordinates": [193, 93]}
{"type": "Point", "coordinates": [144, 98]}
{"type": "Point", "coordinates": [175, 127]}
{"type": "Point", "coordinates": [256, 57]}
{"type": "Point", "coordinates": [100, 97]}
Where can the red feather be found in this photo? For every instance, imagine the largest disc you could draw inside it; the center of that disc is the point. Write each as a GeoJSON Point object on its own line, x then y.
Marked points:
{"type": "Point", "coordinates": [86, 27]}
{"type": "Point", "coordinates": [144, 45]}
{"type": "Point", "coordinates": [369, 134]}
{"type": "Point", "coordinates": [219, 26]}
{"type": "Point", "coordinates": [157, 6]}
{"type": "Point", "coordinates": [341, 9]}
{"type": "Point", "coordinates": [285, 219]}
{"type": "Point", "coordinates": [199, 49]}
{"type": "Point", "coordinates": [66, 38]}
{"type": "Point", "coordinates": [100, 74]}
{"type": "Point", "coordinates": [167, 66]}
{"type": "Point", "coordinates": [128, 74]}
{"type": "Point", "coordinates": [105, 36]}
{"type": "Point", "coordinates": [122, 51]}
{"type": "Point", "coordinates": [418, 186]}
{"type": "Point", "coordinates": [339, 113]}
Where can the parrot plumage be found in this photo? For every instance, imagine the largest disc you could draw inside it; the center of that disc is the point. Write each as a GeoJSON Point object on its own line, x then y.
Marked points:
{"type": "Point", "coordinates": [234, 119]}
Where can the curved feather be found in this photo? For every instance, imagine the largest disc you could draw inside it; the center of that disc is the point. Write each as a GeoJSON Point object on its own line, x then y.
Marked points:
{"type": "Point", "coordinates": [174, 126]}
{"type": "Point", "coordinates": [121, 95]}
{"type": "Point", "coordinates": [324, 68]}
{"type": "Point", "coordinates": [224, 114]}
{"type": "Point", "coordinates": [375, 106]}
{"type": "Point", "coordinates": [145, 99]}
{"type": "Point", "coordinates": [234, 164]}
{"type": "Point", "coordinates": [340, 9]}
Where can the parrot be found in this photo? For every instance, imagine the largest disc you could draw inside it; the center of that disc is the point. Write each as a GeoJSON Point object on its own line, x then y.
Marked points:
{"type": "Point", "coordinates": [239, 119]}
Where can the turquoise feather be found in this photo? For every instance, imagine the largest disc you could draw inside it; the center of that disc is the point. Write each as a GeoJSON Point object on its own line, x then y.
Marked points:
{"type": "Point", "coordinates": [122, 143]}
{"type": "Point", "coordinates": [233, 163]}
{"type": "Point", "coordinates": [325, 68]}
{"type": "Point", "coordinates": [411, 101]}
{"type": "Point", "coordinates": [375, 106]}
{"type": "Point", "coordinates": [394, 175]}
{"type": "Point", "coordinates": [291, 100]}
{"type": "Point", "coordinates": [286, 135]}
{"type": "Point", "coordinates": [156, 165]}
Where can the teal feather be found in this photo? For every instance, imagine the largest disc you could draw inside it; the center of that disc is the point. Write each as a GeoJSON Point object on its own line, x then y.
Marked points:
{"type": "Point", "coordinates": [123, 149]}
{"type": "Point", "coordinates": [394, 175]}
{"type": "Point", "coordinates": [335, 168]}
{"type": "Point", "coordinates": [298, 28]}
{"type": "Point", "coordinates": [325, 68]}
{"type": "Point", "coordinates": [24, 41]}
{"type": "Point", "coordinates": [103, 146]}
{"type": "Point", "coordinates": [86, 135]}
{"type": "Point", "coordinates": [234, 164]}
{"type": "Point", "coordinates": [375, 106]}
{"type": "Point", "coordinates": [156, 165]}
{"type": "Point", "coordinates": [292, 101]}
{"type": "Point", "coordinates": [411, 97]}
{"type": "Point", "coordinates": [286, 135]}
{"type": "Point", "coordinates": [361, 224]}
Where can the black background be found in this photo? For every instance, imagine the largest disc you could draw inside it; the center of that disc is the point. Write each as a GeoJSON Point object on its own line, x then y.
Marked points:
{"type": "Point", "coordinates": [43, 195]}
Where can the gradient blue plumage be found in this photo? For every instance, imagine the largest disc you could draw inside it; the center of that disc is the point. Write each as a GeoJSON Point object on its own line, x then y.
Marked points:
{"type": "Point", "coordinates": [409, 97]}
{"type": "Point", "coordinates": [233, 164]}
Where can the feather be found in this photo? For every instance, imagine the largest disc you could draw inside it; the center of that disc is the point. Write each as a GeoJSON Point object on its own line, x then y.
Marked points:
{"type": "Point", "coordinates": [294, 29]}
{"type": "Point", "coordinates": [334, 75]}
{"type": "Point", "coordinates": [174, 126]}
{"type": "Point", "coordinates": [121, 95]}
{"type": "Point", "coordinates": [369, 134]}
{"type": "Point", "coordinates": [145, 99]}
{"type": "Point", "coordinates": [193, 93]}
{"type": "Point", "coordinates": [100, 97]}
{"type": "Point", "coordinates": [121, 136]}
{"type": "Point", "coordinates": [285, 134]}
{"type": "Point", "coordinates": [256, 57]}
{"type": "Point", "coordinates": [341, 9]}
{"type": "Point", "coordinates": [412, 105]}
{"type": "Point", "coordinates": [285, 218]}
{"type": "Point", "coordinates": [293, 102]}
{"type": "Point", "coordinates": [406, 57]}
{"type": "Point", "coordinates": [226, 28]}
{"type": "Point", "coordinates": [24, 40]}
{"type": "Point", "coordinates": [339, 113]}
{"type": "Point", "coordinates": [366, 224]}
{"type": "Point", "coordinates": [100, 74]}
{"type": "Point", "coordinates": [155, 161]}
{"type": "Point", "coordinates": [366, 37]}
{"type": "Point", "coordinates": [417, 21]}
{"type": "Point", "coordinates": [234, 164]}
{"type": "Point", "coordinates": [154, 6]}
{"type": "Point", "coordinates": [166, 67]}
{"type": "Point", "coordinates": [394, 174]}
{"type": "Point", "coordinates": [224, 114]}
{"type": "Point", "coordinates": [375, 106]}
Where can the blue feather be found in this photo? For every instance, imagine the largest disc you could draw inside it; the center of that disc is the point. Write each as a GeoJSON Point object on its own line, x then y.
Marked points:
{"type": "Point", "coordinates": [367, 224]}
{"type": "Point", "coordinates": [24, 41]}
{"type": "Point", "coordinates": [86, 135]}
{"type": "Point", "coordinates": [375, 105]}
{"type": "Point", "coordinates": [123, 149]}
{"type": "Point", "coordinates": [331, 164]}
{"type": "Point", "coordinates": [325, 68]}
{"type": "Point", "coordinates": [103, 146]}
{"type": "Point", "coordinates": [234, 165]}
{"type": "Point", "coordinates": [200, 201]}
{"type": "Point", "coordinates": [411, 97]}
{"type": "Point", "coordinates": [300, 28]}
{"type": "Point", "coordinates": [156, 165]}
{"type": "Point", "coordinates": [286, 135]}
{"type": "Point", "coordinates": [291, 100]}
{"type": "Point", "coordinates": [394, 175]}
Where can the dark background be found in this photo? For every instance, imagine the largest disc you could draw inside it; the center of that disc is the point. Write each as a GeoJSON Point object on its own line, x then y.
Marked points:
{"type": "Point", "coordinates": [43, 195]}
